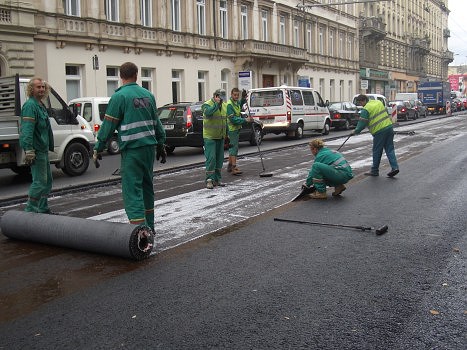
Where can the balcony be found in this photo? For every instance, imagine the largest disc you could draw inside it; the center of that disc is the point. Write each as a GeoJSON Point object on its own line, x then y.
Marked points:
{"type": "Point", "coordinates": [270, 50]}
{"type": "Point", "coordinates": [448, 56]}
{"type": "Point", "coordinates": [446, 33]}
{"type": "Point", "coordinates": [373, 27]}
{"type": "Point", "coordinates": [420, 45]}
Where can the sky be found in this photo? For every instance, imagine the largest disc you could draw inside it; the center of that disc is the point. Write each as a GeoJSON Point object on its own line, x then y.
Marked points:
{"type": "Point", "coordinates": [457, 43]}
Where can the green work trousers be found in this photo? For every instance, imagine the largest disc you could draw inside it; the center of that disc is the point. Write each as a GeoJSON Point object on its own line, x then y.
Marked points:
{"type": "Point", "coordinates": [137, 185]}
{"type": "Point", "coordinates": [214, 154]}
{"type": "Point", "coordinates": [41, 184]}
{"type": "Point", "coordinates": [233, 142]}
{"type": "Point", "coordinates": [324, 174]}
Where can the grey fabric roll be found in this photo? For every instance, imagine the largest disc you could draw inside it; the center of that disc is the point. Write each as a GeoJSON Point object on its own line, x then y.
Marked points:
{"type": "Point", "coordinates": [124, 240]}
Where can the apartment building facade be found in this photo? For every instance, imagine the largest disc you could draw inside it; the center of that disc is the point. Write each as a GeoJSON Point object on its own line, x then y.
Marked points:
{"type": "Point", "coordinates": [186, 49]}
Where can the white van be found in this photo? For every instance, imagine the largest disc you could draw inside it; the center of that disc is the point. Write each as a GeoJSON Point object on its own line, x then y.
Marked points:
{"type": "Point", "coordinates": [92, 109]}
{"type": "Point", "coordinates": [406, 96]}
{"type": "Point", "coordinates": [379, 97]}
{"type": "Point", "coordinates": [289, 110]}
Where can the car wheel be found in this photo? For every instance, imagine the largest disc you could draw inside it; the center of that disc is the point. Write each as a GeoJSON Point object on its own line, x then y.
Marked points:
{"type": "Point", "coordinates": [21, 170]}
{"type": "Point", "coordinates": [326, 129]}
{"type": "Point", "coordinates": [256, 137]}
{"type": "Point", "coordinates": [299, 132]}
{"type": "Point", "coordinates": [346, 125]}
{"type": "Point", "coordinates": [76, 159]}
{"type": "Point", "coordinates": [169, 149]}
{"type": "Point", "coordinates": [112, 145]}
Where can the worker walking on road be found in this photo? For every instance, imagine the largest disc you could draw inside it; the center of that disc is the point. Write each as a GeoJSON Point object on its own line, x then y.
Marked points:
{"type": "Point", "coordinates": [329, 169]}
{"type": "Point", "coordinates": [214, 133]}
{"type": "Point", "coordinates": [132, 111]}
{"type": "Point", "coordinates": [36, 138]}
{"type": "Point", "coordinates": [375, 115]}
{"type": "Point", "coordinates": [234, 122]}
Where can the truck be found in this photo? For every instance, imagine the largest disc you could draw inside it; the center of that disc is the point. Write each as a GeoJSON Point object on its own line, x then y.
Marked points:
{"type": "Point", "coordinates": [434, 95]}
{"type": "Point", "coordinates": [73, 137]}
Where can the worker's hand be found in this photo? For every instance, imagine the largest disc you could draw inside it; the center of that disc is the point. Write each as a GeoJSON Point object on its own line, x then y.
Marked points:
{"type": "Point", "coordinates": [161, 153]}
{"type": "Point", "coordinates": [353, 133]}
{"type": "Point", "coordinates": [249, 119]}
{"type": "Point", "coordinates": [305, 187]}
{"type": "Point", "coordinates": [244, 94]}
{"type": "Point", "coordinates": [30, 157]}
{"type": "Point", "coordinates": [96, 156]}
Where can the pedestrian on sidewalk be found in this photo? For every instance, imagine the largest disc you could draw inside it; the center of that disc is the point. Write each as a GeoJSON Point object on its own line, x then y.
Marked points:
{"type": "Point", "coordinates": [375, 115]}
{"type": "Point", "coordinates": [329, 169]}
{"type": "Point", "coordinates": [235, 122]}
{"type": "Point", "coordinates": [132, 111]}
{"type": "Point", "coordinates": [214, 133]}
{"type": "Point", "coordinates": [36, 138]}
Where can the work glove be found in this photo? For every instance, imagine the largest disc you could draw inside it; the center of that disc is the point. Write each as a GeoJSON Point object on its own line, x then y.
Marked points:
{"type": "Point", "coordinates": [96, 156]}
{"type": "Point", "coordinates": [244, 94]}
{"type": "Point", "coordinates": [30, 157]}
{"type": "Point", "coordinates": [161, 153]}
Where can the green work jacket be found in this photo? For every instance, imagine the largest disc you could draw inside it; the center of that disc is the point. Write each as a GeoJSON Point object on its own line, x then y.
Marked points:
{"type": "Point", "coordinates": [214, 120]}
{"type": "Point", "coordinates": [332, 158]}
{"type": "Point", "coordinates": [234, 116]}
{"type": "Point", "coordinates": [35, 132]}
{"type": "Point", "coordinates": [132, 112]}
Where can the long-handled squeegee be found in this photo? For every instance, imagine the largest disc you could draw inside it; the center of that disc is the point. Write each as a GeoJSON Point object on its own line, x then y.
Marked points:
{"type": "Point", "coordinates": [378, 231]}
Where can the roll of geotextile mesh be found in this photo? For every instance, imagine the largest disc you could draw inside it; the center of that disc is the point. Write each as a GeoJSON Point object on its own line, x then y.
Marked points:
{"type": "Point", "coordinates": [103, 237]}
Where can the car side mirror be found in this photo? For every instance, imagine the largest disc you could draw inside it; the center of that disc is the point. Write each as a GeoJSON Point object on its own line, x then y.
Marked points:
{"type": "Point", "coordinates": [326, 103]}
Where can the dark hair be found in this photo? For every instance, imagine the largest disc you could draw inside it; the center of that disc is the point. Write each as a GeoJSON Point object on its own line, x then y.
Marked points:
{"type": "Point", "coordinates": [234, 90]}
{"type": "Point", "coordinates": [128, 70]}
{"type": "Point", "coordinates": [362, 98]}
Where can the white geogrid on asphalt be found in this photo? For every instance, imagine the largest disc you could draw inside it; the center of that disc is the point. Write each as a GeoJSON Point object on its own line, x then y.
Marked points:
{"type": "Point", "coordinates": [197, 213]}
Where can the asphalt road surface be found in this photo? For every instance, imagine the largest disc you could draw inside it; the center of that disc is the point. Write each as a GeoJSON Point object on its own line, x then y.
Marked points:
{"type": "Point", "coordinates": [254, 283]}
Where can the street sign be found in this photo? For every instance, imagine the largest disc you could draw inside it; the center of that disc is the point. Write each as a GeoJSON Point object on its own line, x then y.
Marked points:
{"type": "Point", "coordinates": [245, 80]}
{"type": "Point", "coordinates": [364, 84]}
{"type": "Point", "coordinates": [95, 62]}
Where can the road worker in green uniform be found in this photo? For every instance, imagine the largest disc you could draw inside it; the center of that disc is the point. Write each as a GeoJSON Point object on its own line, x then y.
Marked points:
{"type": "Point", "coordinates": [36, 138]}
{"type": "Point", "coordinates": [375, 115]}
{"type": "Point", "coordinates": [132, 111]}
{"type": "Point", "coordinates": [214, 133]}
{"type": "Point", "coordinates": [234, 122]}
{"type": "Point", "coordinates": [329, 169]}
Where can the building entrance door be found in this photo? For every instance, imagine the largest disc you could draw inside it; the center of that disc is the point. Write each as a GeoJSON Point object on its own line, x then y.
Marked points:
{"type": "Point", "coordinates": [268, 80]}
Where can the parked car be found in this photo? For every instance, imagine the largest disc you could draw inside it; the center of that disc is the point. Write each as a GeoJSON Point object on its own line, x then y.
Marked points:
{"type": "Point", "coordinates": [421, 109]}
{"type": "Point", "coordinates": [405, 110]}
{"type": "Point", "coordinates": [456, 105]}
{"type": "Point", "coordinates": [343, 115]}
{"type": "Point", "coordinates": [183, 124]}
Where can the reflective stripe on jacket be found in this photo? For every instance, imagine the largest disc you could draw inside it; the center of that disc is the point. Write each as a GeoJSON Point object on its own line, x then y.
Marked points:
{"type": "Point", "coordinates": [214, 120]}
{"type": "Point", "coordinates": [379, 117]}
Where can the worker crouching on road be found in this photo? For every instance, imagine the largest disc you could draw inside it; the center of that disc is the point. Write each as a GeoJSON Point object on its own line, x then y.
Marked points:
{"type": "Point", "coordinates": [132, 111]}
{"type": "Point", "coordinates": [375, 115]}
{"type": "Point", "coordinates": [36, 138]}
{"type": "Point", "coordinates": [235, 122]}
{"type": "Point", "coordinates": [329, 168]}
{"type": "Point", "coordinates": [214, 132]}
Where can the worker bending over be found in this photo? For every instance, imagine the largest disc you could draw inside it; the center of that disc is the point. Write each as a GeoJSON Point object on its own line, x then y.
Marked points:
{"type": "Point", "coordinates": [329, 169]}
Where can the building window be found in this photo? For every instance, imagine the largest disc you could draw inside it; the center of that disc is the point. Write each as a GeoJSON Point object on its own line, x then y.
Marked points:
{"type": "Point", "coordinates": [309, 38]}
{"type": "Point", "coordinates": [341, 90]}
{"type": "Point", "coordinates": [146, 78]}
{"type": "Point", "coordinates": [223, 19]}
{"type": "Point", "coordinates": [321, 41]}
{"type": "Point", "coordinates": [73, 81]}
{"type": "Point", "coordinates": [225, 73]}
{"type": "Point", "coordinates": [201, 14]}
{"type": "Point", "coordinates": [282, 30]}
{"type": "Point", "coordinates": [244, 13]}
{"type": "Point", "coordinates": [111, 10]}
{"type": "Point", "coordinates": [349, 48]}
{"type": "Point", "coordinates": [202, 79]}
{"type": "Point", "coordinates": [264, 25]}
{"type": "Point", "coordinates": [332, 89]}
{"type": "Point", "coordinates": [341, 45]}
{"type": "Point", "coordinates": [331, 43]}
{"type": "Point", "coordinates": [176, 85]}
{"type": "Point", "coordinates": [351, 92]}
{"type": "Point", "coordinates": [112, 80]}
{"type": "Point", "coordinates": [72, 7]}
{"type": "Point", "coordinates": [321, 87]}
{"type": "Point", "coordinates": [175, 15]}
{"type": "Point", "coordinates": [146, 12]}
{"type": "Point", "coordinates": [296, 33]}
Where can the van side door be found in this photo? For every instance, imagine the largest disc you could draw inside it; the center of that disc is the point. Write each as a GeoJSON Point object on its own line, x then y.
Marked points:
{"type": "Point", "coordinates": [322, 112]}
{"type": "Point", "coordinates": [310, 110]}
{"type": "Point", "coordinates": [298, 109]}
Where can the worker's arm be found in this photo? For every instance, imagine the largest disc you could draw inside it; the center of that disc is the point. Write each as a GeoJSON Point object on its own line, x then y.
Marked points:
{"type": "Point", "coordinates": [208, 110]}
{"type": "Point", "coordinates": [362, 121]}
{"type": "Point", "coordinates": [28, 123]}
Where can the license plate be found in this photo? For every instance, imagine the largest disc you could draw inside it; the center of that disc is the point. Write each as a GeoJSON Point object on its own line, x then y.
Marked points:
{"type": "Point", "coordinates": [169, 126]}
{"type": "Point", "coordinates": [267, 121]}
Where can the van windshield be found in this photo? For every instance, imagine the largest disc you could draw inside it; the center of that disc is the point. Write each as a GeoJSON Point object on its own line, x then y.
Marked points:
{"type": "Point", "coordinates": [266, 98]}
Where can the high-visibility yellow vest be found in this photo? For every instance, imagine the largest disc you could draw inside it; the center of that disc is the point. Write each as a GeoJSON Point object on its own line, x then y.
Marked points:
{"type": "Point", "coordinates": [379, 116]}
{"type": "Point", "coordinates": [214, 120]}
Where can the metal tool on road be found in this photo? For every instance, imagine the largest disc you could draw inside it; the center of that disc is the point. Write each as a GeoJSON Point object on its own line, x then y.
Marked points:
{"type": "Point", "coordinates": [410, 132]}
{"type": "Point", "coordinates": [348, 137]}
{"type": "Point", "coordinates": [378, 231]}
{"type": "Point", "coordinates": [305, 191]}
{"type": "Point", "coordinates": [263, 173]}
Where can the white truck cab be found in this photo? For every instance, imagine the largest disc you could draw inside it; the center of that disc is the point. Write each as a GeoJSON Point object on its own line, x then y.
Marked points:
{"type": "Point", "coordinates": [73, 137]}
{"type": "Point", "coordinates": [289, 110]}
